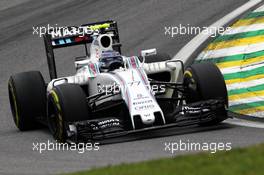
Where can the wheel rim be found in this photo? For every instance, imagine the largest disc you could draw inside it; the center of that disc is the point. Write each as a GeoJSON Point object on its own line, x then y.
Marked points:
{"type": "Point", "coordinates": [191, 87]}
{"type": "Point", "coordinates": [13, 104]}
{"type": "Point", "coordinates": [55, 121]}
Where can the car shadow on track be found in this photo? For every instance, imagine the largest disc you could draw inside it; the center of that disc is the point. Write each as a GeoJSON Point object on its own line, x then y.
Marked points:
{"type": "Point", "coordinates": [166, 133]}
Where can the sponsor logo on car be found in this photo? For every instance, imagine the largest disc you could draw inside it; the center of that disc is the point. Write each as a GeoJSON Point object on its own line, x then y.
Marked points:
{"type": "Point", "coordinates": [144, 107]}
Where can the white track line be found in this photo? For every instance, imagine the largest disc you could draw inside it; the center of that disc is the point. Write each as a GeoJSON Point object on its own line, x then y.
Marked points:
{"type": "Point", "coordinates": [258, 114]}
{"type": "Point", "coordinates": [247, 84]}
{"type": "Point", "coordinates": [242, 29]}
{"type": "Point", "coordinates": [260, 9]}
{"type": "Point", "coordinates": [239, 68]}
{"type": "Point", "coordinates": [246, 100]}
{"type": "Point", "coordinates": [236, 50]}
{"type": "Point", "coordinates": [245, 123]}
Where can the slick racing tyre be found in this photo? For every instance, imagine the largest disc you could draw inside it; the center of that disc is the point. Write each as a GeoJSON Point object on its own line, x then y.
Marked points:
{"type": "Point", "coordinates": [27, 96]}
{"type": "Point", "coordinates": [204, 81]}
{"type": "Point", "coordinates": [66, 104]}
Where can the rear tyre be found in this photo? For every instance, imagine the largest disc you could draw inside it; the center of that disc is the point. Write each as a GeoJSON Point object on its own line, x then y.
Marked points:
{"type": "Point", "coordinates": [27, 96]}
{"type": "Point", "coordinates": [204, 81]}
{"type": "Point", "coordinates": [66, 104]}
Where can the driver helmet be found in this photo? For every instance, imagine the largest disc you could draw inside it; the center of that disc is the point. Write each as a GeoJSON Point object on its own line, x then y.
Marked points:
{"type": "Point", "coordinates": [110, 60]}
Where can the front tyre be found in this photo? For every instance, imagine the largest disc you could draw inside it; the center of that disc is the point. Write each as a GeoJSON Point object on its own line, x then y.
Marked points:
{"type": "Point", "coordinates": [27, 96]}
{"type": "Point", "coordinates": [66, 104]}
{"type": "Point", "coordinates": [204, 81]}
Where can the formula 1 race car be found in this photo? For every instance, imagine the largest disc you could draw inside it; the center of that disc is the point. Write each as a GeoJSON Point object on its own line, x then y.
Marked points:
{"type": "Point", "coordinates": [113, 95]}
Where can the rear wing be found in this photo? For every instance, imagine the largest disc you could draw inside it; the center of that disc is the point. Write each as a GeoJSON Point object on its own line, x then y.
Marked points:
{"type": "Point", "coordinates": [62, 37]}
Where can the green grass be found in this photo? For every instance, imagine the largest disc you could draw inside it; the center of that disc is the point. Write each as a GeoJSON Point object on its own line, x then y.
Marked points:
{"type": "Point", "coordinates": [247, 161]}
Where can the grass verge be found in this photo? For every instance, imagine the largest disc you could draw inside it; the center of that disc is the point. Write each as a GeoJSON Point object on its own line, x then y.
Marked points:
{"type": "Point", "coordinates": [246, 161]}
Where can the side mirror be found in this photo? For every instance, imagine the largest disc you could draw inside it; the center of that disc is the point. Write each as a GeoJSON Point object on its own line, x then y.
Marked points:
{"type": "Point", "coordinates": [148, 52]}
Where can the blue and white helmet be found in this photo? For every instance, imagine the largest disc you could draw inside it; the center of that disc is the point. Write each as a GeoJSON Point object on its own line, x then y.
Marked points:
{"type": "Point", "coordinates": [110, 60]}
